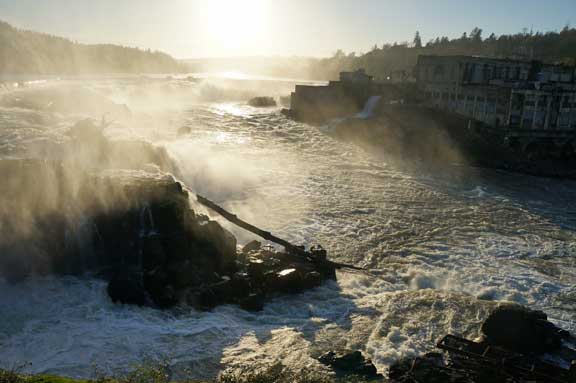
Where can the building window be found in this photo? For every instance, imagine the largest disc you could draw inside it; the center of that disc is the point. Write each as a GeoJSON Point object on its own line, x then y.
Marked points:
{"type": "Point", "coordinates": [542, 102]}
{"type": "Point", "coordinates": [486, 73]}
{"type": "Point", "coordinates": [438, 72]}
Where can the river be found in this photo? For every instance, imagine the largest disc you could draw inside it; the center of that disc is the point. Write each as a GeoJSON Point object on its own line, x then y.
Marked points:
{"type": "Point", "coordinates": [442, 246]}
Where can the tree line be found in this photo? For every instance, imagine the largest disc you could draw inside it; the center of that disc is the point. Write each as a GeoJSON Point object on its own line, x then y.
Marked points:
{"type": "Point", "coordinates": [27, 52]}
{"type": "Point", "coordinates": [383, 61]}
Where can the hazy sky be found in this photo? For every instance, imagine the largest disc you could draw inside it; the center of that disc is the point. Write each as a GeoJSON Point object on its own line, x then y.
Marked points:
{"type": "Point", "coordinates": [202, 28]}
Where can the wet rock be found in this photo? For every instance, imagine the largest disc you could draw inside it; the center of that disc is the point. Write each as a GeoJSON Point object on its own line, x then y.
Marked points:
{"type": "Point", "coordinates": [231, 290]}
{"type": "Point", "coordinates": [185, 274]}
{"type": "Point", "coordinates": [256, 268]}
{"type": "Point", "coordinates": [126, 287]}
{"type": "Point", "coordinates": [253, 302]}
{"type": "Point", "coordinates": [522, 330]}
{"type": "Point", "coordinates": [350, 364]}
{"type": "Point", "coordinates": [221, 242]}
{"type": "Point", "coordinates": [287, 281]}
{"type": "Point", "coordinates": [262, 102]}
{"type": "Point", "coordinates": [137, 231]}
{"type": "Point", "coordinates": [251, 246]}
{"type": "Point", "coordinates": [312, 279]}
{"type": "Point", "coordinates": [205, 299]}
{"type": "Point", "coordinates": [512, 351]}
{"type": "Point", "coordinates": [15, 266]}
{"type": "Point", "coordinates": [428, 368]}
{"type": "Point", "coordinates": [153, 254]}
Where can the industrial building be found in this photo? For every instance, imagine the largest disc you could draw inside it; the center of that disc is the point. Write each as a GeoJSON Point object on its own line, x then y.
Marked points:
{"type": "Point", "coordinates": [521, 97]}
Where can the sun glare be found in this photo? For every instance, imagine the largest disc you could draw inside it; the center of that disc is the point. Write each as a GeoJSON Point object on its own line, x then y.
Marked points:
{"type": "Point", "coordinates": [236, 25]}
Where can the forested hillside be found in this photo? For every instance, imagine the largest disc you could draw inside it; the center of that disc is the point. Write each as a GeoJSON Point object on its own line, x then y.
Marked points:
{"type": "Point", "coordinates": [556, 47]}
{"type": "Point", "coordinates": [26, 52]}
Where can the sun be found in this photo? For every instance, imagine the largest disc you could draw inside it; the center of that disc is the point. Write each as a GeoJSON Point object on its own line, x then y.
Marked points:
{"type": "Point", "coordinates": [236, 25]}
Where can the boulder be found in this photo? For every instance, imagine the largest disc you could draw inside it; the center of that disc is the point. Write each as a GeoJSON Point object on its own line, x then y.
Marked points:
{"type": "Point", "coordinates": [312, 279]}
{"type": "Point", "coordinates": [350, 364]}
{"type": "Point", "coordinates": [288, 281]}
{"type": "Point", "coordinates": [253, 302]}
{"type": "Point", "coordinates": [158, 286]}
{"type": "Point", "coordinates": [262, 102]}
{"type": "Point", "coordinates": [127, 287]}
{"type": "Point", "coordinates": [522, 330]}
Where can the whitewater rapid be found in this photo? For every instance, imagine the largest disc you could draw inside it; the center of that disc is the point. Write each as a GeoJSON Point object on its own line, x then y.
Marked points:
{"type": "Point", "coordinates": [442, 246]}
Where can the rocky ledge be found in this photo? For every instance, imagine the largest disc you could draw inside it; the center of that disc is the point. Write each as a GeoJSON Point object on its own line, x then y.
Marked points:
{"type": "Point", "coordinates": [518, 345]}
{"type": "Point", "coordinates": [138, 231]}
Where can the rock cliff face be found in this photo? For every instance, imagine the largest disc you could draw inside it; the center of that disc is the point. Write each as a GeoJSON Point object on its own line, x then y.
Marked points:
{"type": "Point", "coordinates": [138, 231]}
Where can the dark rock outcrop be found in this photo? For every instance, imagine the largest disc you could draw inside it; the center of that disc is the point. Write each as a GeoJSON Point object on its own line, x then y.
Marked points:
{"type": "Point", "coordinates": [429, 368]}
{"type": "Point", "coordinates": [522, 330]}
{"type": "Point", "coordinates": [350, 364]}
{"type": "Point", "coordinates": [262, 102]}
{"type": "Point", "coordinates": [138, 231]}
{"type": "Point", "coordinates": [516, 339]}
{"type": "Point", "coordinates": [126, 287]}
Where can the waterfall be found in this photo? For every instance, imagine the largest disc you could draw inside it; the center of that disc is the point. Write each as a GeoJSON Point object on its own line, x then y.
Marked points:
{"type": "Point", "coordinates": [368, 110]}
{"type": "Point", "coordinates": [366, 113]}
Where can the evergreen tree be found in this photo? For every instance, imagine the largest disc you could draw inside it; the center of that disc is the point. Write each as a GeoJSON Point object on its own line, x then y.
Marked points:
{"type": "Point", "coordinates": [417, 40]}
{"type": "Point", "coordinates": [476, 35]}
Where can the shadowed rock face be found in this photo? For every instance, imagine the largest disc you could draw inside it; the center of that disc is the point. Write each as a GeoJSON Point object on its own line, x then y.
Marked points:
{"type": "Point", "coordinates": [138, 231]}
{"type": "Point", "coordinates": [262, 102]}
{"type": "Point", "coordinates": [515, 340]}
{"type": "Point", "coordinates": [351, 364]}
{"type": "Point", "coordinates": [522, 330]}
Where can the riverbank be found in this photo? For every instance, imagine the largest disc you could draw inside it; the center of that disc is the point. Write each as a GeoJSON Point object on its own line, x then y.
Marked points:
{"type": "Point", "coordinates": [416, 133]}
{"type": "Point", "coordinates": [153, 375]}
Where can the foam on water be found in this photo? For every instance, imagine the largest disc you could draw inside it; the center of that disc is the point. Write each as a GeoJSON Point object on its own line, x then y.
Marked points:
{"type": "Point", "coordinates": [443, 248]}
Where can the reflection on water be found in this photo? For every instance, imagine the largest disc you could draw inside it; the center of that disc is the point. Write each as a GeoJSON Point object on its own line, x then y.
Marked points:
{"type": "Point", "coordinates": [442, 246]}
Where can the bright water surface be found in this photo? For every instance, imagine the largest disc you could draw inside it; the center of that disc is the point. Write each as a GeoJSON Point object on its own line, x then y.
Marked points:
{"type": "Point", "coordinates": [442, 246]}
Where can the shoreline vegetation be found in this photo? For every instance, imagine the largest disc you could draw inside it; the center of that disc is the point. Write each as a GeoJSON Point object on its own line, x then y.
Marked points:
{"type": "Point", "coordinates": [36, 53]}
{"type": "Point", "coordinates": [155, 372]}
{"type": "Point", "coordinates": [396, 61]}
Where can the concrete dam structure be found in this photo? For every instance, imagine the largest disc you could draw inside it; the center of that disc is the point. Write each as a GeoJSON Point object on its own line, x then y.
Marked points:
{"type": "Point", "coordinates": [343, 98]}
{"type": "Point", "coordinates": [508, 114]}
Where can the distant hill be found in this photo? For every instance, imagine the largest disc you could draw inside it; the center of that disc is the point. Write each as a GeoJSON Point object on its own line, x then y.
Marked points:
{"type": "Point", "coordinates": [27, 52]}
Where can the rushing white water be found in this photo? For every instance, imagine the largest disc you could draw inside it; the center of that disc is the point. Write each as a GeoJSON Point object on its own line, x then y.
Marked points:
{"type": "Point", "coordinates": [368, 110]}
{"type": "Point", "coordinates": [442, 247]}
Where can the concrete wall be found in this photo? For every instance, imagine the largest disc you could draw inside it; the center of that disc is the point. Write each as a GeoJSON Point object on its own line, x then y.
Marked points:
{"type": "Point", "coordinates": [317, 104]}
{"type": "Point", "coordinates": [506, 94]}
